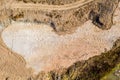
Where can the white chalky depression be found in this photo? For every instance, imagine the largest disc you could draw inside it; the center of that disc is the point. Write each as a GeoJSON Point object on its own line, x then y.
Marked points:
{"type": "Point", "coordinates": [45, 50]}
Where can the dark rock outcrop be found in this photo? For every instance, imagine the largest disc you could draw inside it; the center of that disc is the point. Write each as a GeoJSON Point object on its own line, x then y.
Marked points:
{"type": "Point", "coordinates": [103, 15]}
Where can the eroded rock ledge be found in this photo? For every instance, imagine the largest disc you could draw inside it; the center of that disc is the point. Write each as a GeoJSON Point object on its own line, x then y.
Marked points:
{"type": "Point", "coordinates": [65, 21]}
{"type": "Point", "coordinates": [50, 2]}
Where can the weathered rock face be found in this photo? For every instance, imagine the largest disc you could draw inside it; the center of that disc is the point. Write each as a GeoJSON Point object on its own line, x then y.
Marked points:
{"type": "Point", "coordinates": [100, 12]}
{"type": "Point", "coordinates": [67, 21]}
{"type": "Point", "coordinates": [103, 15]}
